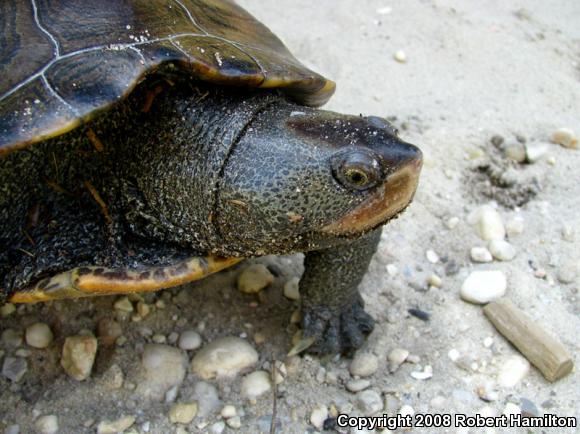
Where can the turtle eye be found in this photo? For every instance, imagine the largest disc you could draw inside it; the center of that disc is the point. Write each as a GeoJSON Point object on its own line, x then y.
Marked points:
{"type": "Point", "coordinates": [356, 170]}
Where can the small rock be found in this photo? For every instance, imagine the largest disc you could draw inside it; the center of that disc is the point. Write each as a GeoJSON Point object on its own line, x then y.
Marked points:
{"type": "Point", "coordinates": [38, 335]}
{"type": "Point", "coordinates": [228, 411]}
{"type": "Point", "coordinates": [488, 223]}
{"type": "Point", "coordinates": [47, 424]}
{"type": "Point", "coordinates": [396, 358]}
{"type": "Point", "coordinates": [14, 368]}
{"type": "Point", "coordinates": [158, 338]}
{"type": "Point", "coordinates": [425, 374]}
{"type": "Point", "coordinates": [12, 429]}
{"type": "Point", "coordinates": [400, 56]}
{"type": "Point", "coordinates": [124, 305]}
{"type": "Point", "coordinates": [207, 397]}
{"type": "Point", "coordinates": [364, 365]}
{"type": "Point", "coordinates": [112, 378]}
{"type": "Point", "coordinates": [488, 342]}
{"type": "Point", "coordinates": [171, 394]}
{"type": "Point", "coordinates": [452, 222]}
{"type": "Point", "coordinates": [234, 422]}
{"type": "Point", "coordinates": [11, 338]}
{"type": "Point", "coordinates": [502, 250]}
{"type": "Point", "coordinates": [255, 278]}
{"type": "Point", "coordinates": [78, 356]}
{"type": "Point", "coordinates": [291, 289]}
{"type": "Point", "coordinates": [481, 287]}
{"type": "Point", "coordinates": [406, 410]}
{"type": "Point", "coordinates": [369, 402]}
{"type": "Point", "coordinates": [515, 151]}
{"type": "Point", "coordinates": [256, 384]}
{"type": "Point", "coordinates": [7, 310]}
{"type": "Point", "coordinates": [515, 227]}
{"type": "Point", "coordinates": [431, 256]}
{"type": "Point", "coordinates": [182, 412]}
{"type": "Point", "coordinates": [511, 409]}
{"type": "Point", "coordinates": [513, 371]}
{"type": "Point", "coordinates": [565, 137]}
{"type": "Point", "coordinates": [567, 272]}
{"type": "Point", "coordinates": [108, 331]}
{"type": "Point", "coordinates": [218, 427]}
{"type": "Point", "coordinates": [143, 309]}
{"type": "Point", "coordinates": [480, 254]}
{"type": "Point", "coordinates": [528, 408]}
{"type": "Point", "coordinates": [453, 354]}
{"type": "Point", "coordinates": [568, 233]}
{"type": "Point", "coordinates": [163, 368]}
{"type": "Point", "coordinates": [536, 151]}
{"type": "Point", "coordinates": [115, 426]}
{"type": "Point", "coordinates": [435, 281]}
{"type": "Point", "coordinates": [318, 416]}
{"type": "Point", "coordinates": [392, 270]}
{"type": "Point", "coordinates": [358, 385]}
{"type": "Point", "coordinates": [224, 357]}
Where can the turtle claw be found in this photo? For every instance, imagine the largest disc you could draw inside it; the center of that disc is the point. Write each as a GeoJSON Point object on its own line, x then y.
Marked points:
{"type": "Point", "coordinates": [334, 332]}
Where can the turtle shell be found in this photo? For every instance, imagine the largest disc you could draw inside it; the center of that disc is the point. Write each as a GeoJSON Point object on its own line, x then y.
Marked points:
{"type": "Point", "coordinates": [62, 61]}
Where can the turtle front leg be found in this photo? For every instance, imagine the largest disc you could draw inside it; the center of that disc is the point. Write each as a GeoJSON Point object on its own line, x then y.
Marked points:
{"type": "Point", "coordinates": [333, 314]}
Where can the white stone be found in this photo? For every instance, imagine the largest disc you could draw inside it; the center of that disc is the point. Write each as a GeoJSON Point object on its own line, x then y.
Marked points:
{"type": "Point", "coordinates": [515, 227]}
{"type": "Point", "coordinates": [481, 287]}
{"type": "Point", "coordinates": [400, 56]}
{"type": "Point", "coordinates": [47, 424]}
{"type": "Point", "coordinates": [488, 342]}
{"type": "Point", "coordinates": [115, 426]}
{"type": "Point", "coordinates": [435, 281]}
{"type": "Point", "coordinates": [207, 397]}
{"type": "Point", "coordinates": [78, 356]}
{"type": "Point", "coordinates": [406, 410]}
{"type": "Point", "coordinates": [488, 223]}
{"type": "Point", "coordinates": [431, 256]}
{"type": "Point", "coordinates": [358, 385]}
{"type": "Point", "coordinates": [38, 335]}
{"type": "Point", "coordinates": [392, 270]}
{"type": "Point", "coordinates": [452, 222]}
{"type": "Point", "coordinates": [565, 137]}
{"type": "Point", "coordinates": [291, 289]}
{"type": "Point", "coordinates": [256, 384]}
{"type": "Point", "coordinates": [182, 412]}
{"type": "Point", "coordinates": [369, 402]}
{"type": "Point", "coordinates": [124, 305]}
{"type": "Point", "coordinates": [513, 371]}
{"type": "Point", "coordinates": [224, 357]}
{"type": "Point", "coordinates": [453, 355]}
{"type": "Point", "coordinates": [480, 254]}
{"type": "Point", "coordinates": [255, 278]}
{"type": "Point", "coordinates": [228, 411]}
{"type": "Point", "coordinates": [396, 358]}
{"type": "Point", "coordinates": [364, 364]}
{"type": "Point", "coordinates": [425, 374]}
{"type": "Point", "coordinates": [163, 368]}
{"type": "Point", "coordinates": [511, 409]}
{"type": "Point", "coordinates": [318, 416]}
{"type": "Point", "coordinates": [234, 422]}
{"type": "Point", "coordinates": [536, 151]}
{"type": "Point", "coordinates": [502, 250]}
{"type": "Point", "coordinates": [189, 340]}
{"type": "Point", "coordinates": [218, 427]}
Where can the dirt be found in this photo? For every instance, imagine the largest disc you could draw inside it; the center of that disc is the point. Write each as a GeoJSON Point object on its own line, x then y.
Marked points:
{"type": "Point", "coordinates": [473, 70]}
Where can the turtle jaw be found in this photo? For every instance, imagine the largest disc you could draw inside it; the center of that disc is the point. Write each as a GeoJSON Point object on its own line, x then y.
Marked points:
{"type": "Point", "coordinates": [388, 200]}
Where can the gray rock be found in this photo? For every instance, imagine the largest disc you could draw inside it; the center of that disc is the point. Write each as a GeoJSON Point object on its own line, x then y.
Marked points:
{"type": "Point", "coordinates": [12, 338]}
{"type": "Point", "coordinates": [189, 340]}
{"type": "Point", "coordinates": [357, 385]}
{"type": "Point", "coordinates": [364, 364]}
{"type": "Point", "coordinates": [369, 402]}
{"type": "Point", "coordinates": [47, 424]}
{"type": "Point", "coordinates": [256, 384]}
{"type": "Point", "coordinates": [207, 397]}
{"type": "Point", "coordinates": [14, 368]}
{"type": "Point", "coordinates": [163, 367]}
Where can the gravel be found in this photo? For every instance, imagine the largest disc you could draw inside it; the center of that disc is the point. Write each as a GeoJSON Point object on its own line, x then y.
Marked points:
{"type": "Point", "coordinates": [224, 357]}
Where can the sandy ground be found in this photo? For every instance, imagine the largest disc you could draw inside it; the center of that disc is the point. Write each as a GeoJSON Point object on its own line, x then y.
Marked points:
{"type": "Point", "coordinates": [472, 70]}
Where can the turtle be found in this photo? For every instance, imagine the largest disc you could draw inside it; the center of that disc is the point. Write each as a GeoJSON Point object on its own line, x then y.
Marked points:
{"type": "Point", "coordinates": [148, 144]}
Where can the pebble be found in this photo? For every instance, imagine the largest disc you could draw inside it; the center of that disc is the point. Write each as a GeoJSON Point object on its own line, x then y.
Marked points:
{"type": "Point", "coordinates": [568, 233]}
{"type": "Point", "coordinates": [14, 368]}
{"type": "Point", "coordinates": [224, 357]}
{"type": "Point", "coordinates": [256, 384]}
{"type": "Point", "coordinates": [392, 270]}
{"type": "Point", "coordinates": [513, 370]}
{"type": "Point", "coordinates": [488, 223]}
{"type": "Point", "coordinates": [124, 305]}
{"type": "Point", "coordinates": [453, 355]}
{"type": "Point", "coordinates": [11, 338]}
{"type": "Point", "coordinates": [488, 342]}
{"type": "Point", "coordinates": [511, 409]}
{"type": "Point", "coordinates": [108, 331]}
{"type": "Point", "coordinates": [182, 412]}
{"type": "Point", "coordinates": [567, 272]}
{"type": "Point", "coordinates": [515, 151]}
{"type": "Point", "coordinates": [396, 358]}
{"type": "Point", "coordinates": [480, 254]}
{"type": "Point", "coordinates": [565, 137]}
{"type": "Point", "coordinates": [357, 385]}
{"type": "Point", "coordinates": [207, 397]}
{"type": "Point", "coordinates": [47, 424]}
{"type": "Point", "coordinates": [431, 256]}
{"type": "Point", "coordinates": [38, 335]}
{"type": "Point", "coordinates": [143, 309]}
{"type": "Point", "coordinates": [291, 289]}
{"type": "Point", "coordinates": [78, 356]}
{"type": "Point", "coordinates": [163, 368]}
{"type": "Point", "coordinates": [536, 151]}
{"type": "Point", "coordinates": [158, 338]}
{"type": "Point", "coordinates": [7, 310]}
{"type": "Point", "coordinates": [112, 378]}
{"type": "Point", "coordinates": [528, 407]}
{"type": "Point", "coordinates": [434, 281]}
{"type": "Point", "coordinates": [115, 426]}
{"type": "Point", "coordinates": [452, 222]}
{"type": "Point", "coordinates": [218, 427]}
{"type": "Point", "coordinates": [364, 365]}
{"type": "Point", "coordinates": [502, 250]}
{"type": "Point", "coordinates": [515, 227]}
{"type": "Point", "coordinates": [255, 278]}
{"type": "Point", "coordinates": [369, 402]}
{"type": "Point", "coordinates": [400, 56]}
{"type": "Point", "coordinates": [228, 411]}
{"type": "Point", "coordinates": [171, 394]}
{"type": "Point", "coordinates": [481, 287]}
{"type": "Point", "coordinates": [318, 416]}
{"type": "Point", "coordinates": [425, 374]}
{"type": "Point", "coordinates": [234, 422]}
{"type": "Point", "coordinates": [12, 429]}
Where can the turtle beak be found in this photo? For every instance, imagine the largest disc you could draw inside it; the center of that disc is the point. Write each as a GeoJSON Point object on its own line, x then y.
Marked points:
{"type": "Point", "coordinates": [401, 163]}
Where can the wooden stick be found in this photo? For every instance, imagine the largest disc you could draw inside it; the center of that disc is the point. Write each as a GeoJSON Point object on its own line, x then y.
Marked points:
{"type": "Point", "coordinates": [544, 351]}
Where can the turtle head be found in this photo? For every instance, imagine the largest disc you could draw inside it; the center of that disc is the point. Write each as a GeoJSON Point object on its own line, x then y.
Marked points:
{"type": "Point", "coordinates": [302, 179]}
